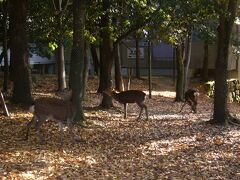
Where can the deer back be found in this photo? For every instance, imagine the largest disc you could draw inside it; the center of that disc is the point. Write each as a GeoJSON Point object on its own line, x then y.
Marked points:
{"type": "Point", "coordinates": [129, 96]}
{"type": "Point", "coordinates": [53, 108]}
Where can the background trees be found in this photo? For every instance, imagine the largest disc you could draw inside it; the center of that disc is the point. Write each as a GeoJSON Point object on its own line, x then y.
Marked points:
{"type": "Point", "coordinates": [108, 23]}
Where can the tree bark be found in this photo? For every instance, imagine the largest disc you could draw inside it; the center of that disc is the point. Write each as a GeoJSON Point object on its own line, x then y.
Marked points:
{"type": "Point", "coordinates": [60, 51]}
{"type": "Point", "coordinates": [19, 53]}
{"type": "Point", "coordinates": [86, 67]}
{"type": "Point", "coordinates": [137, 58]}
{"type": "Point", "coordinates": [118, 75]}
{"type": "Point", "coordinates": [5, 46]}
{"type": "Point", "coordinates": [187, 60]}
{"type": "Point", "coordinates": [180, 72]}
{"type": "Point", "coordinates": [77, 57]}
{"type": "Point", "coordinates": [61, 67]}
{"type": "Point", "coordinates": [106, 57]}
{"type": "Point", "coordinates": [205, 63]}
{"type": "Point", "coordinates": [95, 59]}
{"type": "Point", "coordinates": [226, 21]}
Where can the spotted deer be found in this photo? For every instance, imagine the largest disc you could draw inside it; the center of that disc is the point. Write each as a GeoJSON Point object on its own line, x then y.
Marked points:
{"type": "Point", "coordinates": [60, 111]}
{"type": "Point", "coordinates": [191, 98]}
{"type": "Point", "coordinates": [129, 96]}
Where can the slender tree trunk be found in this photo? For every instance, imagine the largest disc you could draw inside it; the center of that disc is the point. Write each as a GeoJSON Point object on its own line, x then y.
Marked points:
{"type": "Point", "coordinates": [60, 58]}
{"type": "Point", "coordinates": [180, 73]}
{"type": "Point", "coordinates": [86, 67]}
{"type": "Point", "coordinates": [205, 63]}
{"type": "Point", "coordinates": [224, 33]}
{"type": "Point", "coordinates": [137, 58]}
{"type": "Point", "coordinates": [19, 53]}
{"type": "Point", "coordinates": [118, 75]}
{"type": "Point", "coordinates": [187, 60]}
{"type": "Point", "coordinates": [95, 59]}
{"type": "Point", "coordinates": [5, 48]}
{"type": "Point", "coordinates": [150, 68]}
{"type": "Point", "coordinates": [77, 57]}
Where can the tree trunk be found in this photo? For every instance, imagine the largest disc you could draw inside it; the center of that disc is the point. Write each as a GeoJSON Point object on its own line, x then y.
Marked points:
{"type": "Point", "coordinates": [137, 58]}
{"type": "Point", "coordinates": [118, 75]}
{"type": "Point", "coordinates": [60, 58]}
{"type": "Point", "coordinates": [77, 57]}
{"type": "Point", "coordinates": [224, 33]}
{"type": "Point", "coordinates": [19, 53]}
{"type": "Point", "coordinates": [150, 68]}
{"type": "Point", "coordinates": [180, 73]}
{"type": "Point", "coordinates": [95, 59]}
{"type": "Point", "coordinates": [5, 48]}
{"type": "Point", "coordinates": [106, 57]}
{"type": "Point", "coordinates": [187, 60]}
{"type": "Point", "coordinates": [205, 63]}
{"type": "Point", "coordinates": [86, 67]}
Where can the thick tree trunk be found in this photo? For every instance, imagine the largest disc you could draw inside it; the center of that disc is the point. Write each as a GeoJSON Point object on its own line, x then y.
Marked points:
{"type": "Point", "coordinates": [180, 73]}
{"type": "Point", "coordinates": [5, 48]}
{"type": "Point", "coordinates": [106, 57]}
{"type": "Point", "coordinates": [95, 59]}
{"type": "Point", "coordinates": [106, 61]}
{"type": "Point", "coordinates": [187, 60]}
{"type": "Point", "coordinates": [19, 53]}
{"type": "Point", "coordinates": [118, 75]}
{"type": "Point", "coordinates": [224, 33]}
{"type": "Point", "coordinates": [77, 57]}
{"type": "Point", "coordinates": [205, 63]}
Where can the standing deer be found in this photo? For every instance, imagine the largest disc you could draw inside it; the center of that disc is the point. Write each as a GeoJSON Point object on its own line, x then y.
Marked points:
{"type": "Point", "coordinates": [191, 98]}
{"type": "Point", "coordinates": [129, 96]}
{"type": "Point", "coordinates": [61, 111]}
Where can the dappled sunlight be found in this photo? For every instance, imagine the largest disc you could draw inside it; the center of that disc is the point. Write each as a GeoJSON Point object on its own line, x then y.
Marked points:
{"type": "Point", "coordinates": [168, 117]}
{"type": "Point", "coordinates": [168, 94]}
{"type": "Point", "coordinates": [170, 145]}
{"type": "Point", "coordinates": [164, 147]}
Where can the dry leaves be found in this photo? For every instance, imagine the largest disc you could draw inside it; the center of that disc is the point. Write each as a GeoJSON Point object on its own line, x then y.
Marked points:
{"type": "Point", "coordinates": [170, 145]}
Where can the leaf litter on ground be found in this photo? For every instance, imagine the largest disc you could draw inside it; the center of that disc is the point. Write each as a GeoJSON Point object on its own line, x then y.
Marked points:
{"type": "Point", "coordinates": [170, 145]}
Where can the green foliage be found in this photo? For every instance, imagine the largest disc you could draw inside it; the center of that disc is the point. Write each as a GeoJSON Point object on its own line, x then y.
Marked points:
{"type": "Point", "coordinates": [43, 27]}
{"type": "Point", "coordinates": [177, 17]}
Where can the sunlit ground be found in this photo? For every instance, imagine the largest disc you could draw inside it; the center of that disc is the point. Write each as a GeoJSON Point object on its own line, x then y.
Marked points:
{"type": "Point", "coordinates": [168, 94]}
{"type": "Point", "coordinates": [170, 145]}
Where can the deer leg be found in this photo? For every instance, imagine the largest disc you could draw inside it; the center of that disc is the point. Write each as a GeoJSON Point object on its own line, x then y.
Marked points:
{"type": "Point", "coordinates": [29, 124]}
{"type": "Point", "coordinates": [139, 117]}
{"type": "Point", "coordinates": [38, 130]}
{"type": "Point", "coordinates": [73, 137]}
{"type": "Point", "coordinates": [183, 106]}
{"type": "Point", "coordinates": [61, 132]}
{"type": "Point", "coordinates": [125, 110]}
{"type": "Point", "coordinates": [141, 105]}
{"type": "Point", "coordinates": [194, 106]}
{"type": "Point", "coordinates": [146, 111]}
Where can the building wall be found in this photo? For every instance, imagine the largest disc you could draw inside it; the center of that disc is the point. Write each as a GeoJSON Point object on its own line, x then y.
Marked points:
{"type": "Point", "coordinates": [163, 59]}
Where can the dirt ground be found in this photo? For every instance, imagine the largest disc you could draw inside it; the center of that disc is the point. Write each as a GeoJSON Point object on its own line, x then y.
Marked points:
{"type": "Point", "coordinates": [170, 145]}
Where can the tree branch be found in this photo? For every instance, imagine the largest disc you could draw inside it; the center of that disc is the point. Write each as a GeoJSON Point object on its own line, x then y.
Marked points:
{"type": "Point", "coordinates": [137, 26]}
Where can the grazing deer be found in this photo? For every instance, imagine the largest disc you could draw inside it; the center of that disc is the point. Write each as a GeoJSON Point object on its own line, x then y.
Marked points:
{"type": "Point", "coordinates": [191, 98]}
{"type": "Point", "coordinates": [61, 111]}
{"type": "Point", "coordinates": [129, 96]}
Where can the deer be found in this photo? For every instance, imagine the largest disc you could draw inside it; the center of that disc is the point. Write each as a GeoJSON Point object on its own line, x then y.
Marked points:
{"type": "Point", "coordinates": [191, 98]}
{"type": "Point", "coordinates": [129, 96]}
{"type": "Point", "coordinates": [60, 110]}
